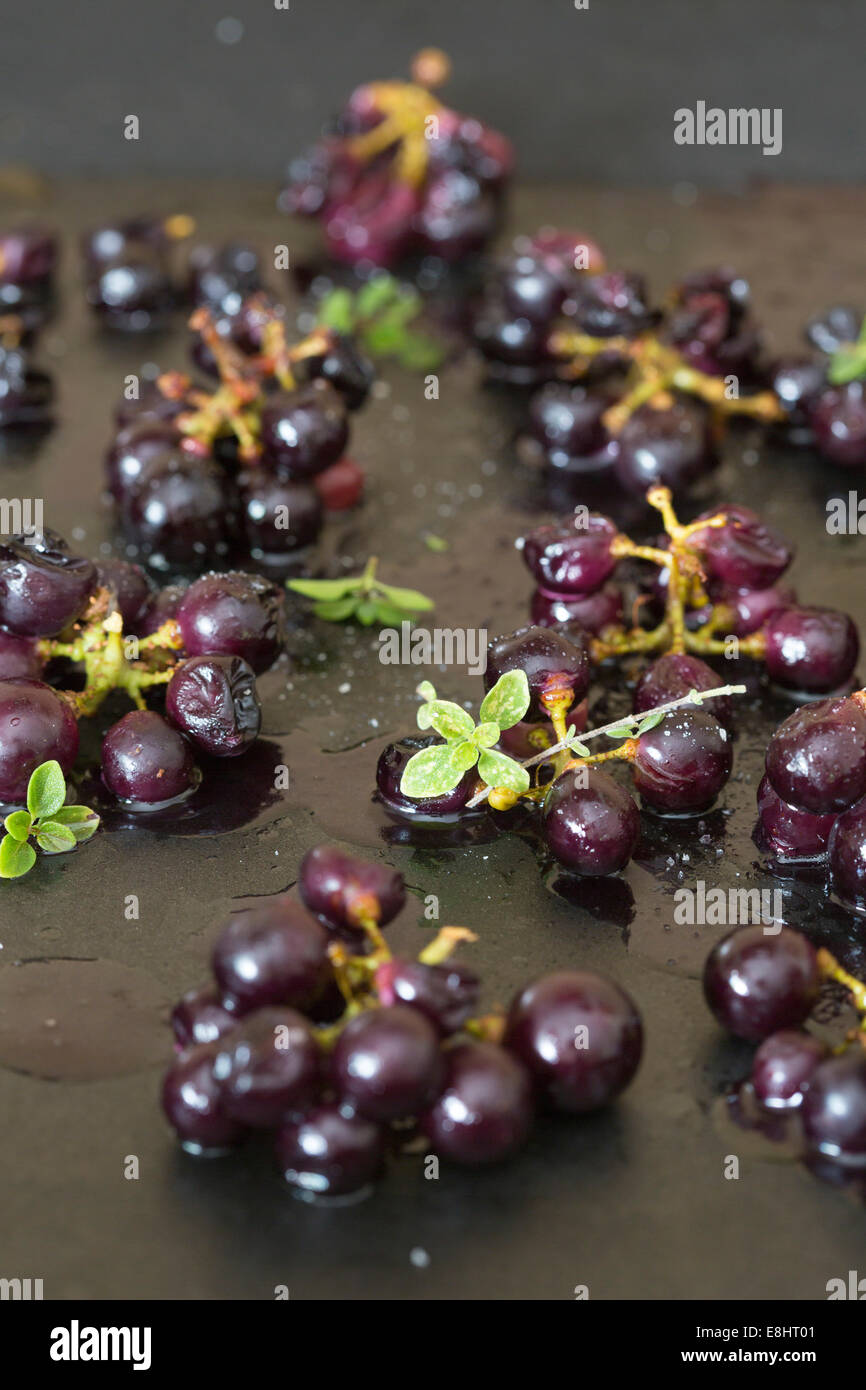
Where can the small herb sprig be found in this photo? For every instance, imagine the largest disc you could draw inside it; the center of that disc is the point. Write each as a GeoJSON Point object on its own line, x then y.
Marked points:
{"type": "Point", "coordinates": [362, 598]}
{"type": "Point", "coordinates": [848, 362]}
{"type": "Point", "coordinates": [56, 827]}
{"type": "Point", "coordinates": [379, 315]}
{"type": "Point", "coordinates": [435, 771]}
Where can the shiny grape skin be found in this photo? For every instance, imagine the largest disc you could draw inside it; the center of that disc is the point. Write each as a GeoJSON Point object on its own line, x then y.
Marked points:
{"type": "Point", "coordinates": [671, 447]}
{"type": "Point", "coordinates": [214, 701]}
{"type": "Point", "coordinates": [267, 1066]}
{"type": "Point", "coordinates": [27, 255]}
{"type": "Point", "coordinates": [200, 1017]}
{"type": "Point", "coordinates": [389, 772]}
{"type": "Point", "coordinates": [193, 1104]}
{"type": "Point", "coordinates": [790, 834]}
{"type": "Point", "coordinates": [340, 487]}
{"type": "Point", "coordinates": [753, 607]}
{"type": "Point", "coordinates": [613, 303]}
{"type": "Point", "coordinates": [19, 656]}
{"type": "Point", "coordinates": [566, 419]}
{"type": "Point", "coordinates": [757, 982]}
{"type": "Point", "coordinates": [746, 553]}
{"type": "Point", "coordinates": [592, 829]}
{"type": "Point", "coordinates": [43, 587]}
{"type": "Point", "coordinates": [219, 275]}
{"type": "Point", "coordinates": [485, 1111]}
{"type": "Point", "coordinates": [273, 953]}
{"type": "Point", "coordinates": [552, 663]}
{"type": "Point", "coordinates": [328, 1153]}
{"type": "Point", "coordinates": [236, 614]}
{"type": "Point", "coordinates": [148, 444]}
{"type": "Point", "coordinates": [177, 514]}
{"type": "Point", "coordinates": [570, 613]}
{"type": "Point", "coordinates": [36, 725]}
{"type": "Point", "coordinates": [834, 326]}
{"type": "Point", "coordinates": [797, 381]}
{"type": "Point", "coordinates": [387, 1063]}
{"type": "Point", "coordinates": [345, 368]}
{"type": "Point", "coordinates": [783, 1066]}
{"type": "Point", "coordinates": [133, 294]}
{"type": "Point", "coordinates": [161, 608]}
{"type": "Point", "coordinates": [580, 1036]}
{"type": "Point", "coordinates": [305, 430]}
{"type": "Point", "coordinates": [838, 421]}
{"type": "Point", "coordinates": [682, 764]}
{"type": "Point", "coordinates": [145, 760]}
{"type": "Point", "coordinates": [267, 501]}
{"type": "Point", "coordinates": [131, 587]}
{"type": "Point", "coordinates": [834, 1109]}
{"type": "Point", "coordinates": [569, 558]}
{"type": "Point", "coordinates": [847, 857]}
{"type": "Point", "coordinates": [816, 759]}
{"type": "Point", "coordinates": [446, 994]}
{"type": "Point", "coordinates": [457, 216]}
{"type": "Point", "coordinates": [344, 890]}
{"type": "Point", "coordinates": [813, 650]}
{"type": "Point", "coordinates": [675, 674]}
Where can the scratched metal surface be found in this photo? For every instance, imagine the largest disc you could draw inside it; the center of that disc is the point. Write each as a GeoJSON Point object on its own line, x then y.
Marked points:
{"type": "Point", "coordinates": [633, 1202]}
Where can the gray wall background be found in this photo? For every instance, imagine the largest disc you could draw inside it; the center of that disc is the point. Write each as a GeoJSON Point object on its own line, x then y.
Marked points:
{"type": "Point", "coordinates": [585, 95]}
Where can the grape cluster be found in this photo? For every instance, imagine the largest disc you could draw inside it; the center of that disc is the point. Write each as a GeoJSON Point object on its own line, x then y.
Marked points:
{"type": "Point", "coordinates": [763, 987]}
{"type": "Point", "coordinates": [315, 1030]}
{"type": "Point", "coordinates": [812, 799]}
{"type": "Point", "coordinates": [718, 578]}
{"type": "Point", "coordinates": [203, 645]}
{"type": "Point", "coordinates": [131, 282]}
{"type": "Point", "coordinates": [626, 391]}
{"type": "Point", "coordinates": [400, 173]}
{"type": "Point", "coordinates": [249, 467]}
{"type": "Point", "coordinates": [824, 395]}
{"type": "Point", "coordinates": [28, 258]}
{"type": "Point", "coordinates": [680, 758]}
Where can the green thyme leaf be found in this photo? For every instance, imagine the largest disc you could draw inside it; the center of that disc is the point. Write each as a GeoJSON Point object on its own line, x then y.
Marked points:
{"type": "Point", "coordinates": [436, 544]}
{"type": "Point", "coordinates": [420, 353]}
{"type": "Point", "coordinates": [579, 748]}
{"type": "Point", "coordinates": [649, 723]}
{"type": "Point", "coordinates": [383, 339]}
{"type": "Point", "coordinates": [507, 702]}
{"type": "Point", "coordinates": [324, 588]}
{"type": "Point", "coordinates": [437, 770]}
{"type": "Point", "coordinates": [46, 790]}
{"type": "Point", "coordinates": [448, 719]}
{"type": "Point", "coordinates": [17, 857]}
{"type": "Point", "coordinates": [409, 599]}
{"type": "Point", "coordinates": [79, 819]}
{"type": "Point", "coordinates": [848, 363]}
{"type": "Point", "coordinates": [54, 838]}
{"type": "Point", "coordinates": [621, 731]}
{"type": "Point", "coordinates": [389, 615]}
{"type": "Point", "coordinates": [19, 824]}
{"type": "Point", "coordinates": [336, 310]}
{"type": "Point", "coordinates": [486, 735]}
{"type": "Point", "coordinates": [375, 296]}
{"type": "Point", "coordinates": [336, 610]}
{"type": "Point", "coordinates": [426, 691]}
{"type": "Point", "coordinates": [366, 612]}
{"type": "Point", "coordinates": [497, 770]}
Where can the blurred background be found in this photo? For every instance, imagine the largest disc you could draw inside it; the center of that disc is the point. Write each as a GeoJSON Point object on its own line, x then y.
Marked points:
{"type": "Point", "coordinates": [237, 86]}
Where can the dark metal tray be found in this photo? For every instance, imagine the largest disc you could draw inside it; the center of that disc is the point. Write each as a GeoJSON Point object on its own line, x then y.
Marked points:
{"type": "Point", "coordinates": [632, 1203]}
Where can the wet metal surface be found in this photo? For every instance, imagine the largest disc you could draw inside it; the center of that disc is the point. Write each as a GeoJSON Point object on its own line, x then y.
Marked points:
{"type": "Point", "coordinates": [633, 1202]}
